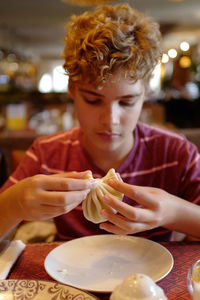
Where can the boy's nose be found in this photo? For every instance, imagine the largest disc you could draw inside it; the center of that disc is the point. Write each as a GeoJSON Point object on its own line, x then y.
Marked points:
{"type": "Point", "coordinates": [110, 115]}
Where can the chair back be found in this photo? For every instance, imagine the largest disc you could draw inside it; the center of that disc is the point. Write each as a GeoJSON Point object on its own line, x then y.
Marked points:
{"type": "Point", "coordinates": [3, 168]}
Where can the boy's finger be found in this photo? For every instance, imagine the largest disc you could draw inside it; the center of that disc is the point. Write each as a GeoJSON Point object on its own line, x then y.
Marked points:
{"type": "Point", "coordinates": [85, 175]}
{"type": "Point", "coordinates": [138, 193]}
{"type": "Point", "coordinates": [50, 183]}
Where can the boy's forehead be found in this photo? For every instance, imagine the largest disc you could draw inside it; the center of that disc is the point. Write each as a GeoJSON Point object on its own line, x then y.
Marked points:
{"type": "Point", "coordinates": [112, 79]}
{"type": "Point", "coordinates": [89, 91]}
{"type": "Point", "coordinates": [119, 88]}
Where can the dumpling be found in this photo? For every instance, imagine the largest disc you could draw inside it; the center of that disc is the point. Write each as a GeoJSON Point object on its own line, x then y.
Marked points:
{"type": "Point", "coordinates": [93, 203]}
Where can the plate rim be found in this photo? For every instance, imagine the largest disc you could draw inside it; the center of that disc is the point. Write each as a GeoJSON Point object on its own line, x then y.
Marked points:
{"type": "Point", "coordinates": [86, 292]}
{"type": "Point", "coordinates": [128, 237]}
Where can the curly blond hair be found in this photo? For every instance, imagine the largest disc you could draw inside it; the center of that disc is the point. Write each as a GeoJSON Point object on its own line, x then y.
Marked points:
{"type": "Point", "coordinates": [111, 39]}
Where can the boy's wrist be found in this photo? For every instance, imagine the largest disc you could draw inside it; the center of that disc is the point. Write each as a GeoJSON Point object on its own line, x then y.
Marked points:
{"type": "Point", "coordinates": [10, 213]}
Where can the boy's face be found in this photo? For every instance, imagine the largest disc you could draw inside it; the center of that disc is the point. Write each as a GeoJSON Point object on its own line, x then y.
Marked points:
{"type": "Point", "coordinates": [109, 115]}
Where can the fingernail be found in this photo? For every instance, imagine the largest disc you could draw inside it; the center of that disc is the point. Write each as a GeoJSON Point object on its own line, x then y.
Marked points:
{"type": "Point", "coordinates": [103, 213]}
{"type": "Point", "coordinates": [87, 192]}
{"type": "Point", "coordinates": [101, 226]}
{"type": "Point", "coordinates": [106, 199]}
{"type": "Point", "coordinates": [88, 172]}
{"type": "Point", "coordinates": [111, 181]}
{"type": "Point", "coordinates": [93, 183]}
{"type": "Point", "coordinates": [87, 175]}
{"type": "Point", "coordinates": [119, 177]}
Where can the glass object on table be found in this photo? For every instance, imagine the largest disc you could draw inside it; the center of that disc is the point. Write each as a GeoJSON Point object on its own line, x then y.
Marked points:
{"type": "Point", "coordinates": [138, 287]}
{"type": "Point", "coordinates": [193, 280]}
{"type": "Point", "coordinates": [16, 116]}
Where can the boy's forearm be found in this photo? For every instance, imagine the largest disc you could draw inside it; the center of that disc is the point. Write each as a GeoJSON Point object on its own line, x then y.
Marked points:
{"type": "Point", "coordinates": [9, 234]}
{"type": "Point", "coordinates": [9, 218]}
{"type": "Point", "coordinates": [187, 220]}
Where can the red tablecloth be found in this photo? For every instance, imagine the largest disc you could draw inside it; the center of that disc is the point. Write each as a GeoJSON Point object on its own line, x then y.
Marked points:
{"type": "Point", "coordinates": [30, 265]}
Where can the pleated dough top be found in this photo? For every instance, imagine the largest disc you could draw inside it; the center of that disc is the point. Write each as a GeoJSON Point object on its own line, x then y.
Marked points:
{"type": "Point", "coordinates": [93, 204]}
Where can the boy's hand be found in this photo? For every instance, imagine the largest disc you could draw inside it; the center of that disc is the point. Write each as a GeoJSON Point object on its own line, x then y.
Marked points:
{"type": "Point", "coordinates": [46, 196]}
{"type": "Point", "coordinates": [156, 208]}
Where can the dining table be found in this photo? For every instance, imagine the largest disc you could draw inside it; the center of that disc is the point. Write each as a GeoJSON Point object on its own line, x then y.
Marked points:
{"type": "Point", "coordinates": [30, 265]}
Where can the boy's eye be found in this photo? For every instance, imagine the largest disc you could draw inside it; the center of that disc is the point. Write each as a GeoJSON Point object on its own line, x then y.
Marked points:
{"type": "Point", "coordinates": [129, 104]}
{"type": "Point", "coordinates": [92, 101]}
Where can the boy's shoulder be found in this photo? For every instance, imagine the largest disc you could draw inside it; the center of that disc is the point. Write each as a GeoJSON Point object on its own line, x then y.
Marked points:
{"type": "Point", "coordinates": [62, 136]}
{"type": "Point", "coordinates": [147, 131]}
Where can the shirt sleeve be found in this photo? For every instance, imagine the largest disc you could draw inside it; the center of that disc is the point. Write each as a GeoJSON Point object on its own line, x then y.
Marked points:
{"type": "Point", "coordinates": [189, 164]}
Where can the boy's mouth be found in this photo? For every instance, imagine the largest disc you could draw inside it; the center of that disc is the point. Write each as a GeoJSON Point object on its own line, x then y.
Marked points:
{"type": "Point", "coordinates": [108, 135]}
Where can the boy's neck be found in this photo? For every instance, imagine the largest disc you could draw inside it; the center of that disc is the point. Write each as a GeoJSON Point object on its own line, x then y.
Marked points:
{"type": "Point", "coordinates": [107, 160]}
{"type": "Point", "coordinates": [109, 163]}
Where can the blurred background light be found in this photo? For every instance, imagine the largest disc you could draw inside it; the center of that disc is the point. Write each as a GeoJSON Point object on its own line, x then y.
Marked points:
{"type": "Point", "coordinates": [172, 53]}
{"type": "Point", "coordinates": [185, 62]}
{"type": "Point", "coordinates": [165, 58]}
{"type": "Point", "coordinates": [60, 79]}
{"type": "Point", "coordinates": [45, 83]}
{"type": "Point", "coordinates": [155, 79]}
{"type": "Point", "coordinates": [184, 46]}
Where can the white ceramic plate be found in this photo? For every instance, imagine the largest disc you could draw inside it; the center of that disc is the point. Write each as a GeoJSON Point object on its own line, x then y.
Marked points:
{"type": "Point", "coordinates": [39, 290]}
{"type": "Point", "coordinates": [99, 263]}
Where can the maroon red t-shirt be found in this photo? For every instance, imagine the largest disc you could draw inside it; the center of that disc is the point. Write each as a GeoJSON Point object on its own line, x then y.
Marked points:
{"type": "Point", "coordinates": [159, 158]}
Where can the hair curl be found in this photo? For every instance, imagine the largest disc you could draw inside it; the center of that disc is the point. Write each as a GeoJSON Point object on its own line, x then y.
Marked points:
{"type": "Point", "coordinates": [111, 39]}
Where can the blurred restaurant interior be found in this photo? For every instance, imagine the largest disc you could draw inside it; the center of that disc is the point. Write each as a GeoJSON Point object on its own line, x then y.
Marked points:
{"type": "Point", "coordinates": [33, 86]}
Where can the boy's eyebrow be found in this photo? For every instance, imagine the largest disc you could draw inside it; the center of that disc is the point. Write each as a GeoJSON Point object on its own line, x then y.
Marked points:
{"type": "Point", "coordinates": [90, 92]}
{"type": "Point", "coordinates": [99, 95]}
